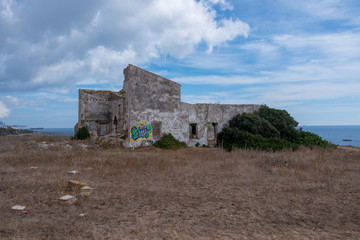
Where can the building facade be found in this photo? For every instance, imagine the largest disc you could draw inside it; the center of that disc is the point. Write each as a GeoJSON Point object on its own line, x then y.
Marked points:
{"type": "Point", "coordinates": [149, 106]}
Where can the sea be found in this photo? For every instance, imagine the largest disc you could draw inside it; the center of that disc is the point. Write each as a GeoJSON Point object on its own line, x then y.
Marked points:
{"type": "Point", "coordinates": [54, 132]}
{"type": "Point", "coordinates": [339, 135]}
{"type": "Point", "coordinates": [348, 135]}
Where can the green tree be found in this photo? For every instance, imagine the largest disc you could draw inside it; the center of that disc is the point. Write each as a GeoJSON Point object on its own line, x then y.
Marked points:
{"type": "Point", "coordinates": [267, 129]}
{"type": "Point", "coordinates": [281, 120]}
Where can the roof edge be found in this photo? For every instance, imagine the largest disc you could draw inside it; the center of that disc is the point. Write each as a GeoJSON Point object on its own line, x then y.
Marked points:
{"type": "Point", "coordinates": [154, 74]}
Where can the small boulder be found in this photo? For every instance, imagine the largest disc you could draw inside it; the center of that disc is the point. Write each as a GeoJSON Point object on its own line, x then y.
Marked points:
{"type": "Point", "coordinates": [18, 207]}
{"type": "Point", "coordinates": [68, 199]}
{"type": "Point", "coordinates": [86, 191]}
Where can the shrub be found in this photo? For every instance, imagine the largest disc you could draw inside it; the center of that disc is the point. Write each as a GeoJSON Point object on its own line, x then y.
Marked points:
{"type": "Point", "coordinates": [82, 133]}
{"type": "Point", "coordinates": [231, 138]}
{"type": "Point", "coordinates": [311, 139]}
{"type": "Point", "coordinates": [169, 142]}
{"type": "Point", "coordinates": [281, 120]}
{"type": "Point", "coordinates": [267, 129]}
{"type": "Point", "coordinates": [254, 124]}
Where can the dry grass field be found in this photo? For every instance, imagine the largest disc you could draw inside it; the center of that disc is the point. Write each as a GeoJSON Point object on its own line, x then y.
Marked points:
{"type": "Point", "coordinates": [192, 193]}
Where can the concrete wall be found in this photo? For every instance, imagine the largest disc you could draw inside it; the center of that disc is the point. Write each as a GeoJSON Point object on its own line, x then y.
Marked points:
{"type": "Point", "coordinates": [98, 110]}
{"type": "Point", "coordinates": [209, 118]}
{"type": "Point", "coordinates": [152, 102]}
{"type": "Point", "coordinates": [150, 106]}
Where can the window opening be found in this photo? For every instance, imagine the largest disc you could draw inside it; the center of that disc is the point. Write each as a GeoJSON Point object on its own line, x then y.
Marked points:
{"type": "Point", "coordinates": [193, 130]}
{"type": "Point", "coordinates": [156, 130]}
{"type": "Point", "coordinates": [103, 129]}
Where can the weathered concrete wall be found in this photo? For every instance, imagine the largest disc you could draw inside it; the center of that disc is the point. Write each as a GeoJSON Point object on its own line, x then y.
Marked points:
{"type": "Point", "coordinates": [153, 106]}
{"type": "Point", "coordinates": [207, 115]}
{"type": "Point", "coordinates": [150, 106]}
{"type": "Point", "coordinates": [98, 110]}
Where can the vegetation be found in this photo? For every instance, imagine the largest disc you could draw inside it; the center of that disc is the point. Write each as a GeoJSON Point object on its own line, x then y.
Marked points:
{"type": "Point", "coordinates": [14, 131]}
{"type": "Point", "coordinates": [191, 193]}
{"type": "Point", "coordinates": [82, 133]}
{"type": "Point", "coordinates": [169, 142]}
{"type": "Point", "coordinates": [266, 129]}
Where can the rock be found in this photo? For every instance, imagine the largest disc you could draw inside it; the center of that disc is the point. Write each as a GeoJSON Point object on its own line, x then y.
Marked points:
{"type": "Point", "coordinates": [68, 147]}
{"type": "Point", "coordinates": [68, 198]}
{"type": "Point", "coordinates": [84, 146]}
{"type": "Point", "coordinates": [18, 207]}
{"type": "Point", "coordinates": [86, 191]}
{"type": "Point", "coordinates": [73, 171]}
{"type": "Point", "coordinates": [76, 185]}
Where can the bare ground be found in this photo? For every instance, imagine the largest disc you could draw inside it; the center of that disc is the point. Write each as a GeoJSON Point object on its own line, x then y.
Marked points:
{"type": "Point", "coordinates": [192, 193]}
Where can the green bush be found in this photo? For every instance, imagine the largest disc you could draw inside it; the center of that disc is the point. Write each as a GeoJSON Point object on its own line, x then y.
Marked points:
{"type": "Point", "coordinates": [254, 124]}
{"type": "Point", "coordinates": [231, 138]}
{"type": "Point", "coordinates": [169, 142]}
{"type": "Point", "coordinates": [281, 120]}
{"type": "Point", "coordinates": [267, 129]}
{"type": "Point", "coordinates": [311, 139]}
{"type": "Point", "coordinates": [82, 133]}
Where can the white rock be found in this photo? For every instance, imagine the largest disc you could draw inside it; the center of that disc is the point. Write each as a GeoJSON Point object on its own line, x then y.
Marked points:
{"type": "Point", "coordinates": [67, 198]}
{"type": "Point", "coordinates": [73, 171]}
{"type": "Point", "coordinates": [18, 207]}
{"type": "Point", "coordinates": [68, 147]}
{"type": "Point", "coordinates": [86, 191]}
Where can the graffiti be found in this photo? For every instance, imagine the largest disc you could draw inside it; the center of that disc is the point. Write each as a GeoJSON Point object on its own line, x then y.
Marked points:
{"type": "Point", "coordinates": [141, 131]}
{"type": "Point", "coordinates": [147, 142]}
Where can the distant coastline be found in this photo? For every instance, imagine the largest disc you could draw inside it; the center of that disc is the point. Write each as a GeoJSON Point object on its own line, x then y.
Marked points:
{"type": "Point", "coordinates": [334, 134]}
{"type": "Point", "coordinates": [8, 131]}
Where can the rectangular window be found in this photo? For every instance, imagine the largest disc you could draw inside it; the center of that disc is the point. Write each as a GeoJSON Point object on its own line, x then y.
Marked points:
{"type": "Point", "coordinates": [103, 129]}
{"type": "Point", "coordinates": [156, 130]}
{"type": "Point", "coordinates": [193, 131]}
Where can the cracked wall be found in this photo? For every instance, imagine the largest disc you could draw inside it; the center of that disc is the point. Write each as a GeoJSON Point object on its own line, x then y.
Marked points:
{"type": "Point", "coordinates": [150, 106]}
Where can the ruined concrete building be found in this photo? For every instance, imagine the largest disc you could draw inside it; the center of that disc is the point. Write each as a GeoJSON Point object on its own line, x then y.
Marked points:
{"type": "Point", "coordinates": [150, 106]}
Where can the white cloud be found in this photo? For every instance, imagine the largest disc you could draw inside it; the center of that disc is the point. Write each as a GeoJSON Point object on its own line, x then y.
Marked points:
{"type": "Point", "coordinates": [6, 11]}
{"type": "Point", "coordinates": [4, 111]}
{"type": "Point", "coordinates": [12, 100]}
{"type": "Point", "coordinates": [221, 80]}
{"type": "Point", "coordinates": [323, 9]}
{"type": "Point", "coordinates": [225, 5]}
{"type": "Point", "coordinates": [98, 40]}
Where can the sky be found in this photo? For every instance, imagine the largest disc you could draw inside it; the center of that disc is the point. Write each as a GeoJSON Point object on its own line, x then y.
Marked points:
{"type": "Point", "coordinates": [301, 56]}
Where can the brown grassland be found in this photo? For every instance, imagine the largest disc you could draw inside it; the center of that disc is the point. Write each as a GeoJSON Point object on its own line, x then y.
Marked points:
{"type": "Point", "coordinates": [191, 193]}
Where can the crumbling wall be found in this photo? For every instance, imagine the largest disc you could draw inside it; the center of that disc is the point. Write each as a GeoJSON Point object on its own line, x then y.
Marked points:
{"type": "Point", "coordinates": [98, 110]}
{"type": "Point", "coordinates": [153, 105]}
{"type": "Point", "coordinates": [211, 117]}
{"type": "Point", "coordinates": [150, 106]}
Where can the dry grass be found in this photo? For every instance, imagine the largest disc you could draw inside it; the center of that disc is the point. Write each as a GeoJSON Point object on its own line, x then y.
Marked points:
{"type": "Point", "coordinates": [191, 193]}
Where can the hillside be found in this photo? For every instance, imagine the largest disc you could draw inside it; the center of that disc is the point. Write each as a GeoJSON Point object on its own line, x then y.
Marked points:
{"type": "Point", "coordinates": [14, 131]}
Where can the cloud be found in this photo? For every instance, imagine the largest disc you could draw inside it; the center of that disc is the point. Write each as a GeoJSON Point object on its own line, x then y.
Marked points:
{"type": "Point", "coordinates": [63, 45]}
{"type": "Point", "coordinates": [221, 80]}
{"type": "Point", "coordinates": [323, 9]}
{"type": "Point", "coordinates": [6, 11]}
{"type": "Point", "coordinates": [4, 111]}
{"type": "Point", "coordinates": [308, 68]}
{"type": "Point", "coordinates": [225, 5]}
